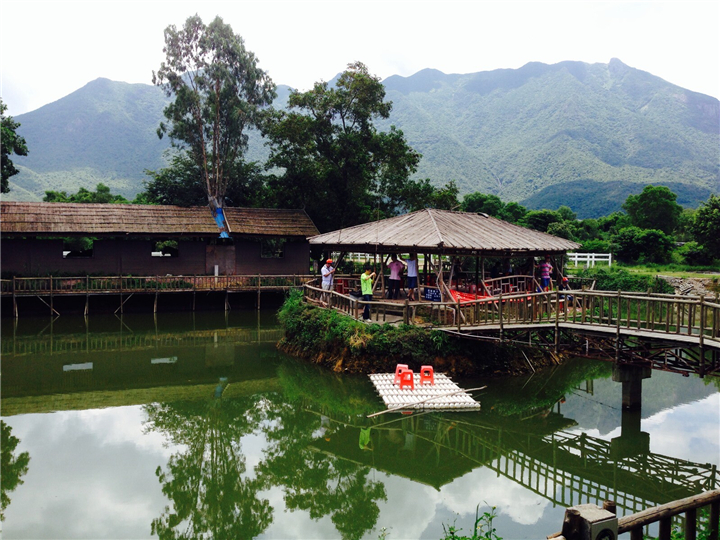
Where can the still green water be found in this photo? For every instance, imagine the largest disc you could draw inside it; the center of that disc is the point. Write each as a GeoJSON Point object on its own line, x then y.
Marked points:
{"type": "Point", "coordinates": [196, 426]}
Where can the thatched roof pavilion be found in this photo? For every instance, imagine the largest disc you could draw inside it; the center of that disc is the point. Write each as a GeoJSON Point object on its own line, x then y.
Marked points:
{"type": "Point", "coordinates": [443, 232]}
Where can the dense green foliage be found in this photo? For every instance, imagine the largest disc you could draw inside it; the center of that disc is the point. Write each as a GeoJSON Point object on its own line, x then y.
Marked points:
{"type": "Point", "coordinates": [313, 332]}
{"type": "Point", "coordinates": [618, 279]}
{"type": "Point", "coordinates": [654, 208]}
{"type": "Point", "coordinates": [706, 226]}
{"type": "Point", "coordinates": [218, 92]}
{"type": "Point", "coordinates": [335, 162]}
{"type": "Point", "coordinates": [101, 195]}
{"type": "Point", "coordinates": [10, 143]}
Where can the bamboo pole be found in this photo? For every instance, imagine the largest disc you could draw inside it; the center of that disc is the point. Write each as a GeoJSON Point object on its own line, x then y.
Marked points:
{"type": "Point", "coordinates": [400, 407]}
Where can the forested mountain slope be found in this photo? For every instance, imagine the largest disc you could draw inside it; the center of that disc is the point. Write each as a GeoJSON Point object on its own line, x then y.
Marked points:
{"type": "Point", "coordinates": [585, 135]}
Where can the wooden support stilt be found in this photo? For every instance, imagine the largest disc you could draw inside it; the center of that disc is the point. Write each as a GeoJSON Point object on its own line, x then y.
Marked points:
{"type": "Point", "coordinates": [14, 299]}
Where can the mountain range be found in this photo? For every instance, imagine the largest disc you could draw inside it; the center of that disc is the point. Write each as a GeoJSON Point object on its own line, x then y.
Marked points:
{"type": "Point", "coordinates": [583, 135]}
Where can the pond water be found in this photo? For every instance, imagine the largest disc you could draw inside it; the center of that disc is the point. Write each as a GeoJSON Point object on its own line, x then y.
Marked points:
{"type": "Point", "coordinates": [187, 426]}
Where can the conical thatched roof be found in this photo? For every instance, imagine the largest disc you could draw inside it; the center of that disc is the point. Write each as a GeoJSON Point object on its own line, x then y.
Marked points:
{"type": "Point", "coordinates": [443, 231]}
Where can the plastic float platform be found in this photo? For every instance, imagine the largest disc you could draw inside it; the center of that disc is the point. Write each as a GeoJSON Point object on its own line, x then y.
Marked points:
{"type": "Point", "coordinates": [444, 394]}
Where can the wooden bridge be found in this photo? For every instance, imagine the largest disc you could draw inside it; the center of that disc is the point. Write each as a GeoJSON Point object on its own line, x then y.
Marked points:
{"type": "Point", "coordinates": [669, 332]}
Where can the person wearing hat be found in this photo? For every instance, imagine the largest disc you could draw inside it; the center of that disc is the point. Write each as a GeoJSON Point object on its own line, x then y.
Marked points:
{"type": "Point", "coordinates": [327, 272]}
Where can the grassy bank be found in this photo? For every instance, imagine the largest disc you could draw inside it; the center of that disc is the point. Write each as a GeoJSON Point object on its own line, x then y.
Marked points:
{"type": "Point", "coordinates": [343, 344]}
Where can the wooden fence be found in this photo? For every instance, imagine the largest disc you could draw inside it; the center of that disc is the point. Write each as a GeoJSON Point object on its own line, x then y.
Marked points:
{"type": "Point", "coordinates": [663, 515]}
{"type": "Point", "coordinates": [132, 284]}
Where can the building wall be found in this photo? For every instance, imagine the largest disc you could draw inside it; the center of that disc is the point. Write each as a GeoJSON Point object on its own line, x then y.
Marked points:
{"type": "Point", "coordinates": [125, 256]}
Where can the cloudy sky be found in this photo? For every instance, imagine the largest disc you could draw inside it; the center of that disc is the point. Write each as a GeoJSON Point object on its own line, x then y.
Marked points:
{"type": "Point", "coordinates": [49, 49]}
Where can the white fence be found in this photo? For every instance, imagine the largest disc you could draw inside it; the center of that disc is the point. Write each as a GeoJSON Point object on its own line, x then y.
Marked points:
{"type": "Point", "coordinates": [589, 259]}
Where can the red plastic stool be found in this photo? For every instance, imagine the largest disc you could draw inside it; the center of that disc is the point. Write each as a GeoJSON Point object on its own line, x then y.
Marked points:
{"type": "Point", "coordinates": [427, 374]}
{"type": "Point", "coordinates": [407, 378]}
{"type": "Point", "coordinates": [398, 370]}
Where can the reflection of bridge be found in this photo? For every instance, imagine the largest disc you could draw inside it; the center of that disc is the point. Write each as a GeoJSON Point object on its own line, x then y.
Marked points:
{"type": "Point", "coordinates": [564, 467]}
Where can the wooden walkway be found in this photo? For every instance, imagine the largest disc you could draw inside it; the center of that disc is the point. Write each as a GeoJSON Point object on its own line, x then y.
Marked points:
{"type": "Point", "coordinates": [46, 289]}
{"type": "Point", "coordinates": [624, 320]}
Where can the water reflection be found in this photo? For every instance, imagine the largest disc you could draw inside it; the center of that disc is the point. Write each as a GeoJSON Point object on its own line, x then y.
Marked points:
{"type": "Point", "coordinates": [14, 467]}
{"type": "Point", "coordinates": [205, 481]}
{"type": "Point", "coordinates": [238, 434]}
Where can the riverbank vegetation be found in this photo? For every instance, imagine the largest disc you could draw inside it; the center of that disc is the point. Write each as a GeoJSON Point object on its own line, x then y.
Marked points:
{"type": "Point", "coordinates": [343, 344]}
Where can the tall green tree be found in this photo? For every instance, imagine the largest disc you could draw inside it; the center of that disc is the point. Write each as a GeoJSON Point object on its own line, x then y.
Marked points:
{"type": "Point", "coordinates": [334, 161]}
{"type": "Point", "coordinates": [219, 93]}
{"type": "Point", "coordinates": [654, 208]}
{"type": "Point", "coordinates": [706, 226]}
{"type": "Point", "coordinates": [11, 143]}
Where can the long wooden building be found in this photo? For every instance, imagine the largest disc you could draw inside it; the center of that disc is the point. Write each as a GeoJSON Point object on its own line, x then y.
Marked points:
{"type": "Point", "coordinates": [120, 239]}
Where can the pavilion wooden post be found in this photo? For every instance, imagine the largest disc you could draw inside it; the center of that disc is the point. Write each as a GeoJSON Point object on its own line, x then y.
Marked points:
{"type": "Point", "coordinates": [477, 272]}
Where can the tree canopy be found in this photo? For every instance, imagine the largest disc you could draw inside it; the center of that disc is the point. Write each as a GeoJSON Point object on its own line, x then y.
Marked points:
{"type": "Point", "coordinates": [654, 208]}
{"type": "Point", "coordinates": [219, 93]}
{"type": "Point", "coordinates": [11, 143]}
{"type": "Point", "coordinates": [101, 195]}
{"type": "Point", "coordinates": [706, 226]}
{"type": "Point", "coordinates": [334, 161]}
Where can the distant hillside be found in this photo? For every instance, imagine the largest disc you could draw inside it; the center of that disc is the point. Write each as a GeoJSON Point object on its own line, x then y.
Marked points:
{"type": "Point", "coordinates": [522, 133]}
{"type": "Point", "coordinates": [585, 135]}
{"type": "Point", "coordinates": [103, 132]}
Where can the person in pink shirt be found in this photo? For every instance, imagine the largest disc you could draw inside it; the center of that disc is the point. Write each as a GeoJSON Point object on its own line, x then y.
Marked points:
{"type": "Point", "coordinates": [396, 269]}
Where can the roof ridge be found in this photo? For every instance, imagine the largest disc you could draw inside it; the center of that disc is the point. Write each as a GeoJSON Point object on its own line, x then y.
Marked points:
{"type": "Point", "coordinates": [437, 229]}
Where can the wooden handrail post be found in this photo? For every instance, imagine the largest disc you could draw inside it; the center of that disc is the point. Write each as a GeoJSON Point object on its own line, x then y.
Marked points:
{"type": "Point", "coordinates": [406, 314]}
{"type": "Point", "coordinates": [557, 320]}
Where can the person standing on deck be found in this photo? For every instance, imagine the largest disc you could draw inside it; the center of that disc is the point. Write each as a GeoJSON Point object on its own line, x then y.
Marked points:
{"type": "Point", "coordinates": [412, 275]}
{"type": "Point", "coordinates": [327, 272]}
{"type": "Point", "coordinates": [396, 268]}
{"type": "Point", "coordinates": [545, 271]}
{"type": "Point", "coordinates": [366, 282]}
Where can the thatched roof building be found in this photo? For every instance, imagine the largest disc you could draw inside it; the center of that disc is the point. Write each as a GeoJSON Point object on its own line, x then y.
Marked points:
{"type": "Point", "coordinates": [443, 232]}
{"type": "Point", "coordinates": [69, 219]}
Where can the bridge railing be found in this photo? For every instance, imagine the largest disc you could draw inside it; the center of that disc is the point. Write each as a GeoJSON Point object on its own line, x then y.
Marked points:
{"type": "Point", "coordinates": [622, 311]}
{"type": "Point", "coordinates": [576, 521]}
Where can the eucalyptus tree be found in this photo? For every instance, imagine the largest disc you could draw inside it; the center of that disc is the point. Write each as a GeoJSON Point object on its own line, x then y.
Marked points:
{"type": "Point", "coordinates": [11, 143]}
{"type": "Point", "coordinates": [218, 92]}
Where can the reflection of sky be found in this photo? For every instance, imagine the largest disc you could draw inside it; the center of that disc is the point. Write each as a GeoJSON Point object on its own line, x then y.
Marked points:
{"type": "Point", "coordinates": [690, 432]}
{"type": "Point", "coordinates": [92, 475]}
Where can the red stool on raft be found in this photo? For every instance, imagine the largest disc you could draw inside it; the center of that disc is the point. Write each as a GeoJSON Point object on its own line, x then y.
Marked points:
{"type": "Point", "coordinates": [398, 370]}
{"type": "Point", "coordinates": [427, 375]}
{"type": "Point", "coordinates": [407, 378]}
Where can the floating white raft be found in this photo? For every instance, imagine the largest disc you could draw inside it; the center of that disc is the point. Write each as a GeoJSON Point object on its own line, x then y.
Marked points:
{"type": "Point", "coordinates": [444, 394]}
